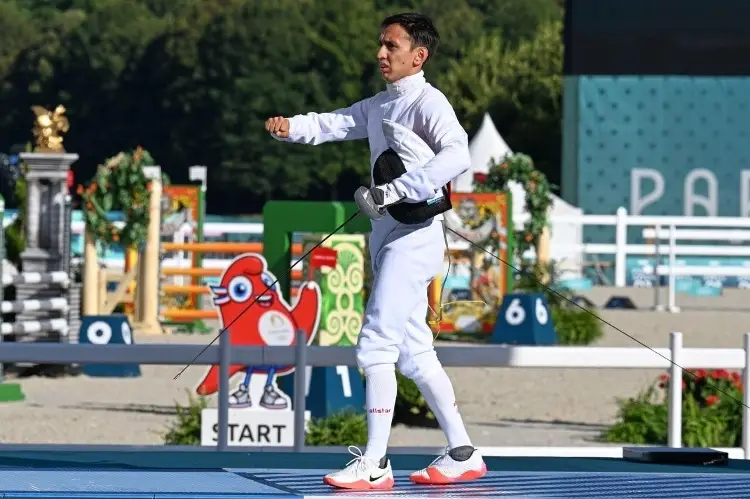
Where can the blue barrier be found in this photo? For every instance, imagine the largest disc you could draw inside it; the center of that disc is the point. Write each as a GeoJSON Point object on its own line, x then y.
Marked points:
{"type": "Point", "coordinates": [524, 319]}
{"type": "Point", "coordinates": [107, 330]}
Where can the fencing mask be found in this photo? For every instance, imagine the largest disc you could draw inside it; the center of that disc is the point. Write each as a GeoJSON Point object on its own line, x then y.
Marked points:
{"type": "Point", "coordinates": [406, 152]}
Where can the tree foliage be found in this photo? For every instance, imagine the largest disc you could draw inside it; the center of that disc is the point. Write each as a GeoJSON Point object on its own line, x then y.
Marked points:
{"type": "Point", "coordinates": [193, 80]}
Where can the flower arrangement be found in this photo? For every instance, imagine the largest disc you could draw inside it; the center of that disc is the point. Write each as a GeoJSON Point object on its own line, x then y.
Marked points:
{"type": "Point", "coordinates": [520, 168]}
{"type": "Point", "coordinates": [119, 185]}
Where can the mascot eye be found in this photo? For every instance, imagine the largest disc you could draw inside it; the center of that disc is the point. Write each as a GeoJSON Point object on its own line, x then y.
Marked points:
{"type": "Point", "coordinates": [268, 281]}
{"type": "Point", "coordinates": [240, 289]}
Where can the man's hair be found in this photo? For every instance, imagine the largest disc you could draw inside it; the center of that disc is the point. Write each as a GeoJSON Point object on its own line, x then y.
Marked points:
{"type": "Point", "coordinates": [419, 27]}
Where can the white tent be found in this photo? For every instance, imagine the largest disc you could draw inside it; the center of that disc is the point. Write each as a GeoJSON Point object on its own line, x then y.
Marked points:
{"type": "Point", "coordinates": [567, 237]}
{"type": "Point", "coordinates": [486, 145]}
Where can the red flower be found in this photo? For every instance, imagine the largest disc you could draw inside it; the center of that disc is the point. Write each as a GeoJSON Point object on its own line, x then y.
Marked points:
{"type": "Point", "coordinates": [712, 400]}
{"type": "Point", "coordinates": [684, 384]}
{"type": "Point", "coordinates": [720, 374]}
{"type": "Point", "coordinates": [480, 178]}
{"type": "Point", "coordinates": [663, 380]}
{"type": "Point", "coordinates": [700, 373]}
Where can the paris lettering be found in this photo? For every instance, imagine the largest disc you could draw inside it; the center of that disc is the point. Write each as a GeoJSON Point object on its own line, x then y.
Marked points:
{"type": "Point", "coordinates": [694, 204]}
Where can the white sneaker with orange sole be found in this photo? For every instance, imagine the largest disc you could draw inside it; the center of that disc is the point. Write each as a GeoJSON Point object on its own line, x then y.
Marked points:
{"type": "Point", "coordinates": [456, 465]}
{"type": "Point", "coordinates": [362, 473]}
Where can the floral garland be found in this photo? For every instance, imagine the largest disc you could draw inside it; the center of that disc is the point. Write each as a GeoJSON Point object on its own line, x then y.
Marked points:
{"type": "Point", "coordinates": [119, 185]}
{"type": "Point", "coordinates": [520, 168]}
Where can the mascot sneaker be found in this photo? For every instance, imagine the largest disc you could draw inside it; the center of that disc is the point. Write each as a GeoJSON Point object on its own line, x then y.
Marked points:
{"type": "Point", "coordinates": [456, 465]}
{"type": "Point", "coordinates": [240, 398]}
{"type": "Point", "coordinates": [271, 399]}
{"type": "Point", "coordinates": [362, 473]}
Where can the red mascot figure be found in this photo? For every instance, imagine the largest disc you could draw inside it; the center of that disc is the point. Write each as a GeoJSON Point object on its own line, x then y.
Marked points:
{"type": "Point", "coordinates": [269, 321]}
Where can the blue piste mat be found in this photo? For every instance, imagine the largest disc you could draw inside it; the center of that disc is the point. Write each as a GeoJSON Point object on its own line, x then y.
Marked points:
{"type": "Point", "coordinates": [213, 475]}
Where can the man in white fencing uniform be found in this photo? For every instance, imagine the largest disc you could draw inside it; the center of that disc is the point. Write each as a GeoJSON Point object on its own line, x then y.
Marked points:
{"type": "Point", "coordinates": [417, 146]}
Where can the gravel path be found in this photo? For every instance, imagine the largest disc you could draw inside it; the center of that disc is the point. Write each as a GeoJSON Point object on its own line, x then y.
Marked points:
{"type": "Point", "coordinates": [503, 407]}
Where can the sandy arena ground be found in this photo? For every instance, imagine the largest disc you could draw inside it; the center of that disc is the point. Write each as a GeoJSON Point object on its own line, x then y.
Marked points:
{"type": "Point", "coordinates": [503, 407]}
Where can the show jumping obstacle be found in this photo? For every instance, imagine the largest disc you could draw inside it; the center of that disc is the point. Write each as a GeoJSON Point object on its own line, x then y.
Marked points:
{"type": "Point", "coordinates": [98, 301]}
{"type": "Point", "coordinates": [46, 307]}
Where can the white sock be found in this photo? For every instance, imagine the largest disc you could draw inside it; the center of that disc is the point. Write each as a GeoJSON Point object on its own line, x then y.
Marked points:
{"type": "Point", "coordinates": [437, 391]}
{"type": "Point", "coordinates": [380, 393]}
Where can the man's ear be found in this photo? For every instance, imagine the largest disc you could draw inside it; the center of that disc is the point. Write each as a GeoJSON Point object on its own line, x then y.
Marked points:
{"type": "Point", "coordinates": [420, 56]}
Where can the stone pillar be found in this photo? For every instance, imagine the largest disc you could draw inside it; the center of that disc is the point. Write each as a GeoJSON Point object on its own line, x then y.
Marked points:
{"type": "Point", "coordinates": [45, 251]}
{"type": "Point", "coordinates": [46, 178]}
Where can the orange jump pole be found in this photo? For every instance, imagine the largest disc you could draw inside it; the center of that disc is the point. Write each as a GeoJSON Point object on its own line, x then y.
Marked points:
{"type": "Point", "coordinates": [178, 314]}
{"type": "Point", "coordinates": [187, 315]}
{"type": "Point", "coordinates": [176, 289]}
{"type": "Point", "coordinates": [192, 272]}
{"type": "Point", "coordinates": [218, 247]}
{"type": "Point", "coordinates": [296, 274]}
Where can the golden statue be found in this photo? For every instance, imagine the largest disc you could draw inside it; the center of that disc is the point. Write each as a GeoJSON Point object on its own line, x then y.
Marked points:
{"type": "Point", "coordinates": [47, 127]}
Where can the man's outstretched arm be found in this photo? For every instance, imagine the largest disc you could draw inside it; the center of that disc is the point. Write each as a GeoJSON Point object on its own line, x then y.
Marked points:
{"type": "Point", "coordinates": [446, 136]}
{"type": "Point", "coordinates": [317, 128]}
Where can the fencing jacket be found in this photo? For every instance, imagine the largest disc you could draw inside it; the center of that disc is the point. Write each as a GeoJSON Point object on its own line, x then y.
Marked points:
{"type": "Point", "coordinates": [412, 103]}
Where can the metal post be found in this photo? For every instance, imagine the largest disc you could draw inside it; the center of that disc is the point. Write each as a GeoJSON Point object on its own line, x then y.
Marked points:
{"type": "Point", "coordinates": [746, 399]}
{"type": "Point", "coordinates": [674, 421]}
{"type": "Point", "coordinates": [672, 264]}
{"type": "Point", "coordinates": [621, 242]}
{"type": "Point", "coordinates": [657, 277]}
{"type": "Point", "coordinates": [300, 385]}
{"type": "Point", "coordinates": [224, 354]}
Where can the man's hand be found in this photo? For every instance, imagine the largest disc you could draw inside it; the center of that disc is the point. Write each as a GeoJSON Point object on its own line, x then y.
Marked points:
{"type": "Point", "coordinates": [279, 126]}
{"type": "Point", "coordinates": [373, 202]}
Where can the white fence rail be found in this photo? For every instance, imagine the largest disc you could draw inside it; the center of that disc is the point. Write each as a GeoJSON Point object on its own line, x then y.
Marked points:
{"type": "Point", "coordinates": [673, 358]}
{"type": "Point", "coordinates": [621, 248]}
{"type": "Point", "coordinates": [672, 271]}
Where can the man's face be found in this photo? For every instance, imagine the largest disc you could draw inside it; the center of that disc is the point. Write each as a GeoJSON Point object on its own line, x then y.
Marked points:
{"type": "Point", "coordinates": [396, 56]}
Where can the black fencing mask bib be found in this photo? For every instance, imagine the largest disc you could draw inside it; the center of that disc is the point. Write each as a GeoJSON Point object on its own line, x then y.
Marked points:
{"type": "Point", "coordinates": [406, 152]}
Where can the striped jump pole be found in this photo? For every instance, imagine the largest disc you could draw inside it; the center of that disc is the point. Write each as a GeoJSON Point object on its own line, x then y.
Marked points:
{"type": "Point", "coordinates": [30, 327]}
{"type": "Point", "coordinates": [58, 277]}
{"type": "Point", "coordinates": [7, 307]}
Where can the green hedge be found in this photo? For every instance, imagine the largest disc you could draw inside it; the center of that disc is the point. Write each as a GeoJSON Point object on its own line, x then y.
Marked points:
{"type": "Point", "coordinates": [711, 412]}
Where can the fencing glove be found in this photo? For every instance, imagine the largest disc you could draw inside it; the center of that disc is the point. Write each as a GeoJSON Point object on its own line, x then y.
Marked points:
{"type": "Point", "coordinates": [372, 202]}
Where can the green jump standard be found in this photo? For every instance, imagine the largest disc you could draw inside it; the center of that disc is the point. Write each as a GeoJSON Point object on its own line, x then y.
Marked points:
{"type": "Point", "coordinates": [11, 392]}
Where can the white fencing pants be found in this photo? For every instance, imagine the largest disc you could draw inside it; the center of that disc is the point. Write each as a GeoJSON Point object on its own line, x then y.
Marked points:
{"type": "Point", "coordinates": [405, 259]}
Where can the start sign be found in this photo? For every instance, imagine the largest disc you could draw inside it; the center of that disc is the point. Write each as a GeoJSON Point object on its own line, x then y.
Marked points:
{"type": "Point", "coordinates": [251, 427]}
